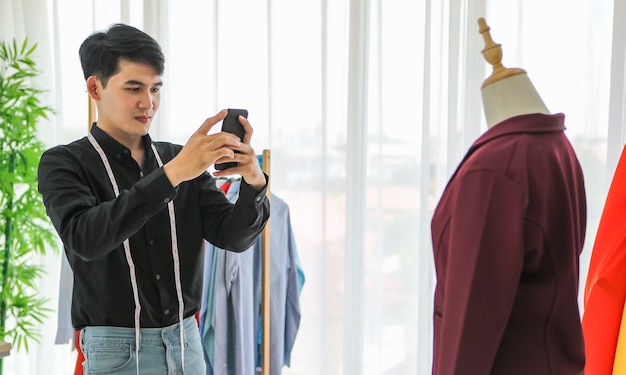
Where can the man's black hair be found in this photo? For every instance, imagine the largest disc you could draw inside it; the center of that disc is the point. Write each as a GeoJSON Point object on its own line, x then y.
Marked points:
{"type": "Point", "coordinates": [101, 52]}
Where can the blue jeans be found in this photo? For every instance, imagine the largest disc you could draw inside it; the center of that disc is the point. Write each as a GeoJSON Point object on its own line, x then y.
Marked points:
{"type": "Point", "coordinates": [111, 350]}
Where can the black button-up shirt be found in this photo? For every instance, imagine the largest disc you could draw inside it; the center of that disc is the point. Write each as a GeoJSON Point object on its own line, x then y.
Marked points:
{"type": "Point", "coordinates": [93, 224]}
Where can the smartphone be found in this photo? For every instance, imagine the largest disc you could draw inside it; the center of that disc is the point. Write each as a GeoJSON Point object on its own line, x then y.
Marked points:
{"type": "Point", "coordinates": [231, 124]}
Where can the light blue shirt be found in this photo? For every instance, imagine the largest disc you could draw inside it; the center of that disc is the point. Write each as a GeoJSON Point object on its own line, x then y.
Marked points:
{"type": "Point", "coordinates": [232, 324]}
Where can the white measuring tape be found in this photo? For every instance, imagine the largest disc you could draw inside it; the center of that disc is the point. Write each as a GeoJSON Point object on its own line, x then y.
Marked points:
{"type": "Point", "coordinates": [131, 265]}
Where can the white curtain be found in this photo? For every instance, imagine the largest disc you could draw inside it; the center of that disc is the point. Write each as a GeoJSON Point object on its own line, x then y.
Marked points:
{"type": "Point", "coordinates": [32, 19]}
{"type": "Point", "coordinates": [367, 106]}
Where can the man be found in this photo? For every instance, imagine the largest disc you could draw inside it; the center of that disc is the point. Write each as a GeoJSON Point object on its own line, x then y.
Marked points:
{"type": "Point", "coordinates": [133, 213]}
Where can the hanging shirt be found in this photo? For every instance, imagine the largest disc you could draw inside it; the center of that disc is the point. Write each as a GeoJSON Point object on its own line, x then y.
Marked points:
{"type": "Point", "coordinates": [65, 331]}
{"type": "Point", "coordinates": [207, 331]}
{"type": "Point", "coordinates": [93, 224]}
{"type": "Point", "coordinates": [507, 235]}
{"type": "Point", "coordinates": [232, 319]}
{"type": "Point", "coordinates": [232, 325]}
{"type": "Point", "coordinates": [286, 282]}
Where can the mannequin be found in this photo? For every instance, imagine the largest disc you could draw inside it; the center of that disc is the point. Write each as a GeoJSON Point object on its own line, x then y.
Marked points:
{"type": "Point", "coordinates": [508, 92]}
{"type": "Point", "coordinates": [507, 233]}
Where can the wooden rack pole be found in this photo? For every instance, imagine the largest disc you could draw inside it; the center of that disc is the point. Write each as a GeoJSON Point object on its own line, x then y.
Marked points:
{"type": "Point", "coordinates": [91, 112]}
{"type": "Point", "coordinates": [265, 304]}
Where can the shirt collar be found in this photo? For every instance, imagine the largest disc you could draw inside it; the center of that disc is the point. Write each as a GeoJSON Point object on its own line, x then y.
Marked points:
{"type": "Point", "coordinates": [115, 149]}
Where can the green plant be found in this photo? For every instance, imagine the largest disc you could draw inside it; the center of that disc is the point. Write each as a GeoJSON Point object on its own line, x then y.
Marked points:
{"type": "Point", "coordinates": [24, 227]}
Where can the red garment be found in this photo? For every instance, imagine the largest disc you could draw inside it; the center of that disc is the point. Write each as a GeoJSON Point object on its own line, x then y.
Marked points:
{"type": "Point", "coordinates": [507, 235]}
{"type": "Point", "coordinates": [605, 289]}
{"type": "Point", "coordinates": [78, 370]}
{"type": "Point", "coordinates": [224, 187]}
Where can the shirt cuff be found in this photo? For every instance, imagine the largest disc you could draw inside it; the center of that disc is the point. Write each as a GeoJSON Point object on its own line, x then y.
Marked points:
{"type": "Point", "coordinates": [248, 193]}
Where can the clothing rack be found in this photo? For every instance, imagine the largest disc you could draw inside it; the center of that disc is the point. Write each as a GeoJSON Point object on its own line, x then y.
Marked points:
{"type": "Point", "coordinates": [265, 246]}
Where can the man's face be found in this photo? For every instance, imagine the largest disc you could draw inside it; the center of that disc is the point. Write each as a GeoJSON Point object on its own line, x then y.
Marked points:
{"type": "Point", "coordinates": [129, 101]}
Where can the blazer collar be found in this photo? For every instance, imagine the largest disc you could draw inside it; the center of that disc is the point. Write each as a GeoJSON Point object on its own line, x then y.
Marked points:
{"type": "Point", "coordinates": [530, 123]}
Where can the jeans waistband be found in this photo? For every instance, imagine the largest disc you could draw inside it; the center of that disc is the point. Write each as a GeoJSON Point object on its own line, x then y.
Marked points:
{"type": "Point", "coordinates": [145, 333]}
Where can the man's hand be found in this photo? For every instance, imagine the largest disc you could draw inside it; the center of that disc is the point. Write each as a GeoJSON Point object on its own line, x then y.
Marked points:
{"type": "Point", "coordinates": [248, 167]}
{"type": "Point", "coordinates": [200, 151]}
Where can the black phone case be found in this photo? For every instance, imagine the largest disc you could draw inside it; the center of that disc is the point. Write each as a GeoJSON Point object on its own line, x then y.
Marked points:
{"type": "Point", "coordinates": [231, 124]}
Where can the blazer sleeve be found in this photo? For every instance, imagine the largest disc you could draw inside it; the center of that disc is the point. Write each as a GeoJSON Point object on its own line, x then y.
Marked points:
{"type": "Point", "coordinates": [484, 265]}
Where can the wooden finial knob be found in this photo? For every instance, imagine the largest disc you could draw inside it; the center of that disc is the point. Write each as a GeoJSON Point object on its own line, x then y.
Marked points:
{"type": "Point", "coordinates": [492, 51]}
{"type": "Point", "coordinates": [493, 54]}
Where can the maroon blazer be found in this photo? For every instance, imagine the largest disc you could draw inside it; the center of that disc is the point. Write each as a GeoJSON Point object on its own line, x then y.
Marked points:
{"type": "Point", "coordinates": [507, 234]}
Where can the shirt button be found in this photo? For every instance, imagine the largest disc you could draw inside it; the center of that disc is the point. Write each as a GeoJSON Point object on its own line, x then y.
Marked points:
{"type": "Point", "coordinates": [158, 277]}
{"type": "Point", "coordinates": [151, 242]}
{"type": "Point", "coordinates": [258, 199]}
{"type": "Point", "coordinates": [166, 200]}
{"type": "Point", "coordinates": [167, 312]}
{"type": "Point", "coordinates": [141, 174]}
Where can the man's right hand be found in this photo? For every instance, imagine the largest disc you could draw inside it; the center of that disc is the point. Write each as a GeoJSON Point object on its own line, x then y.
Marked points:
{"type": "Point", "coordinates": [200, 151]}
